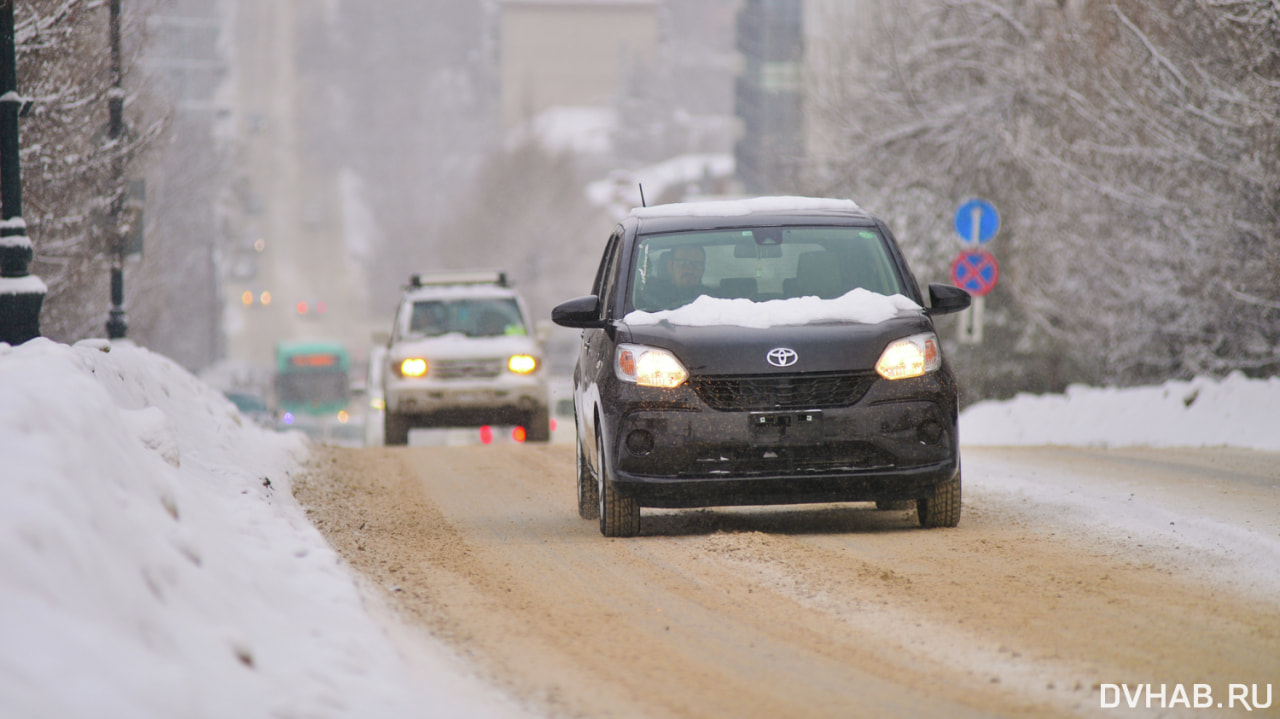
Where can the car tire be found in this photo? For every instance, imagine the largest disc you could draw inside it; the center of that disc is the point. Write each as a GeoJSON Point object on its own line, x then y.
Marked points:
{"type": "Point", "coordinates": [395, 429]}
{"type": "Point", "coordinates": [942, 507]}
{"type": "Point", "coordinates": [588, 492]}
{"type": "Point", "coordinates": [895, 505]}
{"type": "Point", "coordinates": [619, 514]}
{"type": "Point", "coordinates": [538, 426]}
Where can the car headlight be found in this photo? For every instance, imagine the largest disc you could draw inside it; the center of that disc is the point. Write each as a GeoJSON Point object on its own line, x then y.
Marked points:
{"type": "Point", "coordinates": [648, 366]}
{"type": "Point", "coordinates": [412, 367]}
{"type": "Point", "coordinates": [910, 357]}
{"type": "Point", "coordinates": [522, 364]}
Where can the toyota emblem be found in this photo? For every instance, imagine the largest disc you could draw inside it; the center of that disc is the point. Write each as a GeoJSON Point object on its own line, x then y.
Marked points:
{"type": "Point", "coordinates": [782, 357]}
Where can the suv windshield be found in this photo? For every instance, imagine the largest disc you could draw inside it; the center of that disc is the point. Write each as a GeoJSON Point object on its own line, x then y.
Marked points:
{"type": "Point", "coordinates": [759, 264]}
{"type": "Point", "coordinates": [492, 317]}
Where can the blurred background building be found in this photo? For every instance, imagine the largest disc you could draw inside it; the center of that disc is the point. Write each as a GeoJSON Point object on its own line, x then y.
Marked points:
{"type": "Point", "coordinates": [185, 228]}
{"type": "Point", "coordinates": [558, 54]}
{"type": "Point", "coordinates": [769, 97]}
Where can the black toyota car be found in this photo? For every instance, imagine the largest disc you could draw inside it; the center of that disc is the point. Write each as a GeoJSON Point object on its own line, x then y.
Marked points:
{"type": "Point", "coordinates": [775, 350]}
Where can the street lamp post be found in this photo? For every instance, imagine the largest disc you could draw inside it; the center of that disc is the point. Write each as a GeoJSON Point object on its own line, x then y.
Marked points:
{"type": "Point", "coordinates": [21, 294]}
{"type": "Point", "coordinates": [117, 321]}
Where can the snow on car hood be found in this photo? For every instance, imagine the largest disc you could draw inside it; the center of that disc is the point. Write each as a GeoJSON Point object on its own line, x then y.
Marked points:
{"type": "Point", "coordinates": [858, 305]}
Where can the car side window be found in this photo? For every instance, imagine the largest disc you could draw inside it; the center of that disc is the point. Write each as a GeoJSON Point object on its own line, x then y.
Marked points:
{"type": "Point", "coordinates": [606, 260]}
{"type": "Point", "coordinates": [607, 275]}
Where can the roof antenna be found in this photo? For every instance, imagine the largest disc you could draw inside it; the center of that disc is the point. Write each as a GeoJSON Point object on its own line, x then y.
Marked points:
{"type": "Point", "coordinates": [642, 202]}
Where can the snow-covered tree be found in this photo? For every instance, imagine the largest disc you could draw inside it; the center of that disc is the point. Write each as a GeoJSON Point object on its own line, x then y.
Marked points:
{"type": "Point", "coordinates": [1133, 150]}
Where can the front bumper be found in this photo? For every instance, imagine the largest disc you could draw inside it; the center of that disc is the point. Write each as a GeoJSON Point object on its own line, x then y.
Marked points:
{"type": "Point", "coordinates": [897, 442]}
{"type": "Point", "coordinates": [508, 395]}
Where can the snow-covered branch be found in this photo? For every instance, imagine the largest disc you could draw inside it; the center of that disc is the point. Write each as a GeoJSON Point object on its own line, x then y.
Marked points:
{"type": "Point", "coordinates": [1151, 48]}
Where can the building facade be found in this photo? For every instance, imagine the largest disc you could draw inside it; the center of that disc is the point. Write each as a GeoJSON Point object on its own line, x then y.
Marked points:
{"type": "Point", "coordinates": [571, 53]}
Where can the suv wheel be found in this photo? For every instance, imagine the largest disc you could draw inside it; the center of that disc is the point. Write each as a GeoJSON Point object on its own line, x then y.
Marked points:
{"type": "Point", "coordinates": [619, 514]}
{"type": "Point", "coordinates": [942, 507]}
{"type": "Point", "coordinates": [395, 429]}
{"type": "Point", "coordinates": [588, 492]}
{"type": "Point", "coordinates": [538, 426]}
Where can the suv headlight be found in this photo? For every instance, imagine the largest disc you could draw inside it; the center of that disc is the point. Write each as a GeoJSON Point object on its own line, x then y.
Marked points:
{"type": "Point", "coordinates": [910, 357]}
{"type": "Point", "coordinates": [411, 367]}
{"type": "Point", "coordinates": [522, 364]}
{"type": "Point", "coordinates": [648, 366]}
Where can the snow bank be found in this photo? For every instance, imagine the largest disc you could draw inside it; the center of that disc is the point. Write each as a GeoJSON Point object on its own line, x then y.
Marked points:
{"type": "Point", "coordinates": [153, 561]}
{"type": "Point", "coordinates": [1235, 412]}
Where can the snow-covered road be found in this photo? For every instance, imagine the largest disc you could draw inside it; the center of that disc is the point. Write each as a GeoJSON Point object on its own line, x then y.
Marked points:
{"type": "Point", "coordinates": [1072, 569]}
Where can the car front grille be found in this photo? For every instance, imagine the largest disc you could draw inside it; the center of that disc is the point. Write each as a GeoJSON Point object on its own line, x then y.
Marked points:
{"type": "Point", "coordinates": [466, 368]}
{"type": "Point", "coordinates": [832, 457]}
{"type": "Point", "coordinates": [765, 392]}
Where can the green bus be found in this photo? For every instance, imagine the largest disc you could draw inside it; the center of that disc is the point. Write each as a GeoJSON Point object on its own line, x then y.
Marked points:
{"type": "Point", "coordinates": [312, 379]}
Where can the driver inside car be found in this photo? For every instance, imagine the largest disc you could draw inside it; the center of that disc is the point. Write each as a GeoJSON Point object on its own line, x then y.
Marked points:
{"type": "Point", "coordinates": [678, 280]}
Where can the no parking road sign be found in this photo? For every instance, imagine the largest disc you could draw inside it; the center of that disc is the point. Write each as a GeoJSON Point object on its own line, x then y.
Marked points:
{"type": "Point", "coordinates": [975, 271]}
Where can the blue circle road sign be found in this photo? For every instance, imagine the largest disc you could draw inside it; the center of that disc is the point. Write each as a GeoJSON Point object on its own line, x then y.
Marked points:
{"type": "Point", "coordinates": [977, 222]}
{"type": "Point", "coordinates": [975, 272]}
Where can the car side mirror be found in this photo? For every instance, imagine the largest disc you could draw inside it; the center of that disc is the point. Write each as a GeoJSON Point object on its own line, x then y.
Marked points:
{"type": "Point", "coordinates": [945, 299]}
{"type": "Point", "coordinates": [579, 312]}
{"type": "Point", "coordinates": [381, 338]}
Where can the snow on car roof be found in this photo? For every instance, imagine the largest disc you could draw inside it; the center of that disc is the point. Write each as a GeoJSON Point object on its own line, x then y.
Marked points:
{"type": "Point", "coordinates": [722, 208]}
{"type": "Point", "coordinates": [463, 291]}
{"type": "Point", "coordinates": [857, 305]}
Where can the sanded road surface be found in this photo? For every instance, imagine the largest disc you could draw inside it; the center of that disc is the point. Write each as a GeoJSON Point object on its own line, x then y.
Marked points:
{"type": "Point", "coordinates": [1071, 570]}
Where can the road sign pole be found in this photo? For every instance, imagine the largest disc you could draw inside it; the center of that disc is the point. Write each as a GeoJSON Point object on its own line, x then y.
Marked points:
{"type": "Point", "coordinates": [974, 333]}
{"type": "Point", "coordinates": [971, 321]}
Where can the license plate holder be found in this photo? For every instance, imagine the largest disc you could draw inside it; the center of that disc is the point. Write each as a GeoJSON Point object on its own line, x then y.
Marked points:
{"type": "Point", "coordinates": [786, 427]}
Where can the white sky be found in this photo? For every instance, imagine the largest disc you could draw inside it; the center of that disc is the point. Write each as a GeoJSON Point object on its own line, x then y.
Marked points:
{"type": "Point", "coordinates": [147, 570]}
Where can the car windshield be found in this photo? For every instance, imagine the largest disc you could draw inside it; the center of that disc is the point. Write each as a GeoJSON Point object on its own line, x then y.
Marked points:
{"type": "Point", "coordinates": [760, 264]}
{"type": "Point", "coordinates": [491, 317]}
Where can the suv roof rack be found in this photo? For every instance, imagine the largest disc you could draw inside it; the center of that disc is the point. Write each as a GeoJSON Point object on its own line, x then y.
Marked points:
{"type": "Point", "coordinates": [468, 277]}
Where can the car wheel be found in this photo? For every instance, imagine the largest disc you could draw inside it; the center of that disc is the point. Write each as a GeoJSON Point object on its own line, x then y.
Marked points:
{"type": "Point", "coordinates": [894, 505]}
{"type": "Point", "coordinates": [619, 514]}
{"type": "Point", "coordinates": [942, 507]}
{"type": "Point", "coordinates": [588, 492]}
{"type": "Point", "coordinates": [395, 429]}
{"type": "Point", "coordinates": [538, 426]}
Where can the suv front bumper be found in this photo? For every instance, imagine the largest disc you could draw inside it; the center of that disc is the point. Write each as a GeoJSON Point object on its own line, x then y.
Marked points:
{"type": "Point", "coordinates": [511, 395]}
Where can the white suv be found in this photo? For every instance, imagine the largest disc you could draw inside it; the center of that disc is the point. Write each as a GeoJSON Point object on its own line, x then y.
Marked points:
{"type": "Point", "coordinates": [460, 354]}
